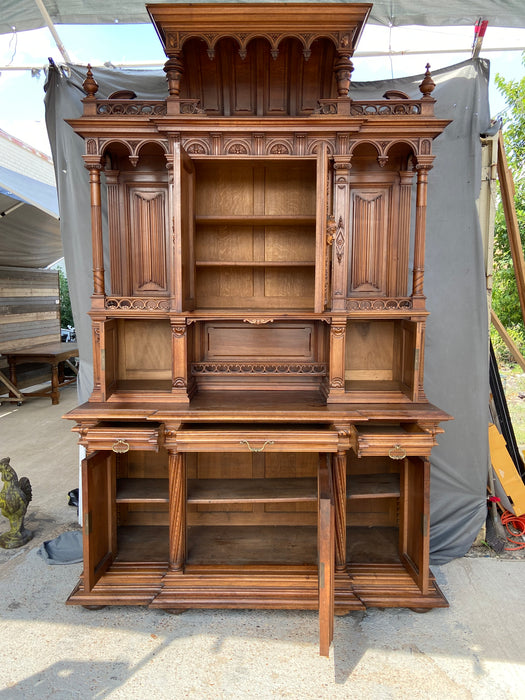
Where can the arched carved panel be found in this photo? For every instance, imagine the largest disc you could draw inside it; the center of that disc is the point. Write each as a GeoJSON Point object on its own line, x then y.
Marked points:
{"type": "Point", "coordinates": [197, 146]}
{"type": "Point", "coordinates": [238, 147]}
{"type": "Point", "coordinates": [279, 147]}
{"type": "Point", "coordinates": [313, 146]}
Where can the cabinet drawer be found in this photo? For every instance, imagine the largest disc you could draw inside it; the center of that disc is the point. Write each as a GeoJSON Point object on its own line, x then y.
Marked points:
{"type": "Point", "coordinates": [257, 438]}
{"type": "Point", "coordinates": [395, 441]}
{"type": "Point", "coordinates": [121, 437]}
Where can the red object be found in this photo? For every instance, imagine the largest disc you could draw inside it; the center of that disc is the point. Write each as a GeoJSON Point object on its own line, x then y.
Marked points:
{"type": "Point", "coordinates": [515, 526]}
{"type": "Point", "coordinates": [480, 28]}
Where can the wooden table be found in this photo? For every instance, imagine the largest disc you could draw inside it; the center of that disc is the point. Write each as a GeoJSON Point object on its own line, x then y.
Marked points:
{"type": "Point", "coordinates": [55, 354]}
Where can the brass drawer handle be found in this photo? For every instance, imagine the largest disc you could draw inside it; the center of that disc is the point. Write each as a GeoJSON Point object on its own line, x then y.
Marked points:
{"type": "Point", "coordinates": [397, 452]}
{"type": "Point", "coordinates": [120, 446]}
{"type": "Point", "coordinates": [256, 449]}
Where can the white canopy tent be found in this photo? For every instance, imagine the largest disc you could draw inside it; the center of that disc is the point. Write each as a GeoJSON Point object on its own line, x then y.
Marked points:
{"type": "Point", "coordinates": [29, 220]}
{"type": "Point", "coordinates": [27, 14]}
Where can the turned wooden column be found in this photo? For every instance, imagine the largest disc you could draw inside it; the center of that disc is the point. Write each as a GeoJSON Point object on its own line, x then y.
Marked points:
{"type": "Point", "coordinates": [94, 166]}
{"type": "Point", "coordinates": [177, 510]}
{"type": "Point", "coordinates": [174, 69]}
{"type": "Point", "coordinates": [339, 483]}
{"type": "Point", "coordinates": [343, 68]}
{"type": "Point", "coordinates": [423, 165]}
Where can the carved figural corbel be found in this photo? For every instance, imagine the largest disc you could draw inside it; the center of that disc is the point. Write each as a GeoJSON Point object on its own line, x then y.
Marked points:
{"type": "Point", "coordinates": [14, 499]}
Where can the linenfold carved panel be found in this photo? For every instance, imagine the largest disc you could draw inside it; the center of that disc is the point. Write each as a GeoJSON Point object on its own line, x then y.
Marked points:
{"type": "Point", "coordinates": [369, 242]}
{"type": "Point", "coordinates": [148, 240]}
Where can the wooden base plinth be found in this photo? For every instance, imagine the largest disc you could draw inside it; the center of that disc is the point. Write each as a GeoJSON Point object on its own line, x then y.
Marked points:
{"type": "Point", "coordinates": [285, 588]}
{"type": "Point", "coordinates": [391, 586]}
{"type": "Point", "coordinates": [123, 584]}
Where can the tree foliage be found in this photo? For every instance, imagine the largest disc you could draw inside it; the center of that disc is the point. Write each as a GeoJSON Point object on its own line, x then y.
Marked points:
{"type": "Point", "coordinates": [505, 300]}
{"type": "Point", "coordinates": [66, 315]}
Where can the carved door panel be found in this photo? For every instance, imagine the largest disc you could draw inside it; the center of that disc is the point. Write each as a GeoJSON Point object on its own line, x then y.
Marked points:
{"type": "Point", "coordinates": [367, 270]}
{"type": "Point", "coordinates": [98, 515]}
{"type": "Point", "coordinates": [182, 207]}
{"type": "Point", "coordinates": [326, 554]}
{"type": "Point", "coordinates": [148, 218]}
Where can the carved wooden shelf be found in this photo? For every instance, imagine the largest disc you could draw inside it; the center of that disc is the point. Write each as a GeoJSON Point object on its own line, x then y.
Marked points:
{"type": "Point", "coordinates": [142, 491]}
{"type": "Point", "coordinates": [257, 220]}
{"type": "Point", "coordinates": [238, 546]}
{"type": "Point", "coordinates": [373, 486]}
{"type": "Point", "coordinates": [201, 491]}
{"type": "Point", "coordinates": [253, 263]}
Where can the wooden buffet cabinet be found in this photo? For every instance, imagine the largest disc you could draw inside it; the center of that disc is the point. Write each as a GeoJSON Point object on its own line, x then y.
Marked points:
{"type": "Point", "coordinates": [258, 435]}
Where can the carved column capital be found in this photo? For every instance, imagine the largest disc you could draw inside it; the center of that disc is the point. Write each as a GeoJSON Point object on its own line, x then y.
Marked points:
{"type": "Point", "coordinates": [93, 162]}
{"type": "Point", "coordinates": [178, 331]}
{"type": "Point", "coordinates": [423, 162]}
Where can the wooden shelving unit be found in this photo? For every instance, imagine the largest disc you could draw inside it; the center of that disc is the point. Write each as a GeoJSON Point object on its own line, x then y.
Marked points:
{"type": "Point", "coordinates": [258, 434]}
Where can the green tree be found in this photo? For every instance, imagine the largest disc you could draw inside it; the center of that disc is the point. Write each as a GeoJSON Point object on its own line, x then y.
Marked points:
{"type": "Point", "coordinates": [505, 300]}
{"type": "Point", "coordinates": [66, 315]}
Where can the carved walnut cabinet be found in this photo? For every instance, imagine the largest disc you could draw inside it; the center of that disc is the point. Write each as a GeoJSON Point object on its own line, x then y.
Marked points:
{"type": "Point", "coordinates": [258, 434]}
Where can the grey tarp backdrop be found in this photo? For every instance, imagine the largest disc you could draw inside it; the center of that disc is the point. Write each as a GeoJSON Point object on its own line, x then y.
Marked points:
{"type": "Point", "coordinates": [456, 358]}
{"type": "Point", "coordinates": [24, 14]}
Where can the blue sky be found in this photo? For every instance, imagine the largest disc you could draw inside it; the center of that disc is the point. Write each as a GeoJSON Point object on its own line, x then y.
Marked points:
{"type": "Point", "coordinates": [21, 93]}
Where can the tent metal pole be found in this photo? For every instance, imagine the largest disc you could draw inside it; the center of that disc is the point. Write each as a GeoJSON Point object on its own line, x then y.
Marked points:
{"type": "Point", "coordinates": [358, 54]}
{"type": "Point", "coordinates": [11, 209]}
{"type": "Point", "coordinates": [51, 27]}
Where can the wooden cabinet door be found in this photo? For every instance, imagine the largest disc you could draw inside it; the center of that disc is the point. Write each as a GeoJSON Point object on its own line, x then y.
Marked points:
{"type": "Point", "coordinates": [108, 358]}
{"type": "Point", "coordinates": [182, 205]}
{"type": "Point", "coordinates": [326, 563]}
{"type": "Point", "coordinates": [98, 515]}
{"type": "Point", "coordinates": [149, 239]}
{"type": "Point", "coordinates": [323, 211]}
{"type": "Point", "coordinates": [414, 523]}
{"type": "Point", "coordinates": [408, 357]}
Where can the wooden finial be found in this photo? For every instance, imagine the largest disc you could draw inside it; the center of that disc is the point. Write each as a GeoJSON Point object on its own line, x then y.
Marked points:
{"type": "Point", "coordinates": [90, 85]}
{"type": "Point", "coordinates": [428, 85]}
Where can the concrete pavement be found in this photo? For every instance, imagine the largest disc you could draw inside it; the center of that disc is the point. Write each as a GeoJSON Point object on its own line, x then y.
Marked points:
{"type": "Point", "coordinates": [474, 649]}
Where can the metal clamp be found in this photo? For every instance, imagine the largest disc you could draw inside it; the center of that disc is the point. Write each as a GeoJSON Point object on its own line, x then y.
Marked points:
{"type": "Point", "coordinates": [256, 449]}
{"type": "Point", "coordinates": [120, 446]}
{"type": "Point", "coordinates": [397, 452]}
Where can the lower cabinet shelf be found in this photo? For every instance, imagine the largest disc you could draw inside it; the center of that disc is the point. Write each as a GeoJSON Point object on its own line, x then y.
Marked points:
{"type": "Point", "coordinates": [289, 521]}
{"type": "Point", "coordinates": [372, 545]}
{"type": "Point", "coordinates": [143, 543]}
{"type": "Point", "coordinates": [239, 546]}
{"type": "Point", "coordinates": [210, 491]}
{"type": "Point", "coordinates": [142, 491]}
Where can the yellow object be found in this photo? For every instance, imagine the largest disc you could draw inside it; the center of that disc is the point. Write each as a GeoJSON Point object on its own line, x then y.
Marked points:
{"type": "Point", "coordinates": [505, 471]}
